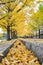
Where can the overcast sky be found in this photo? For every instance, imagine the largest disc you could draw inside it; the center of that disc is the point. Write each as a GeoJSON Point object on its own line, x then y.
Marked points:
{"type": "Point", "coordinates": [1, 30]}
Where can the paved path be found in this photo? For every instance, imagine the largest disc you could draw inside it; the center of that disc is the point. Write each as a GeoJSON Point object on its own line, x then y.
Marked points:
{"type": "Point", "coordinates": [4, 47]}
{"type": "Point", "coordinates": [5, 44]}
{"type": "Point", "coordinates": [32, 40]}
{"type": "Point", "coordinates": [36, 45]}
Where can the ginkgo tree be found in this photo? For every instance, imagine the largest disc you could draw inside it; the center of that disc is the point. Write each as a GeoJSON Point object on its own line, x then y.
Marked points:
{"type": "Point", "coordinates": [8, 8]}
{"type": "Point", "coordinates": [10, 12]}
{"type": "Point", "coordinates": [13, 11]}
{"type": "Point", "coordinates": [37, 19]}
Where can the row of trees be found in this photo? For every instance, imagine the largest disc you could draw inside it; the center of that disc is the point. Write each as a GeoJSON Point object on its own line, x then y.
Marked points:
{"type": "Point", "coordinates": [37, 20]}
{"type": "Point", "coordinates": [13, 11]}
{"type": "Point", "coordinates": [8, 13]}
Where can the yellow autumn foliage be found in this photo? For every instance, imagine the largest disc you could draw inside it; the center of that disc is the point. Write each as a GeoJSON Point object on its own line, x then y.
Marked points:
{"type": "Point", "coordinates": [1, 34]}
{"type": "Point", "coordinates": [16, 12]}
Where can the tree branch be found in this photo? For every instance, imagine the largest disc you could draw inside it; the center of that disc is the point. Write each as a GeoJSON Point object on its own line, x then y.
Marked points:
{"type": "Point", "coordinates": [16, 5]}
{"type": "Point", "coordinates": [3, 17]}
{"type": "Point", "coordinates": [2, 25]}
{"type": "Point", "coordinates": [22, 6]}
{"type": "Point", "coordinates": [12, 24]}
{"type": "Point", "coordinates": [11, 11]}
{"type": "Point", "coordinates": [6, 2]}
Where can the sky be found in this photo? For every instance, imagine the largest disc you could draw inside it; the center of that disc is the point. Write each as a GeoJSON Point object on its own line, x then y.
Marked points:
{"type": "Point", "coordinates": [1, 30]}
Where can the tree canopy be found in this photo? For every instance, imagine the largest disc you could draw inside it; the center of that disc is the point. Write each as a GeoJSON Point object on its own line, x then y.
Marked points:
{"type": "Point", "coordinates": [15, 14]}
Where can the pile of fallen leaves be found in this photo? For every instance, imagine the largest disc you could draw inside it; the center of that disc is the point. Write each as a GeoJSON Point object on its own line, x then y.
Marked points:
{"type": "Point", "coordinates": [20, 55]}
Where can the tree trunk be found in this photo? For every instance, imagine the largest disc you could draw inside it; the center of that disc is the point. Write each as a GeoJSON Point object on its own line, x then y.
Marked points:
{"type": "Point", "coordinates": [39, 33]}
{"type": "Point", "coordinates": [11, 33]}
{"type": "Point", "coordinates": [14, 34]}
{"type": "Point", "coordinates": [36, 33]}
{"type": "Point", "coordinates": [8, 33]}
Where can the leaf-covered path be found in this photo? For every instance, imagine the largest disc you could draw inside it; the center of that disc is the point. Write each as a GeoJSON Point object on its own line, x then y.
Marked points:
{"type": "Point", "coordinates": [20, 55]}
{"type": "Point", "coordinates": [36, 45]}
